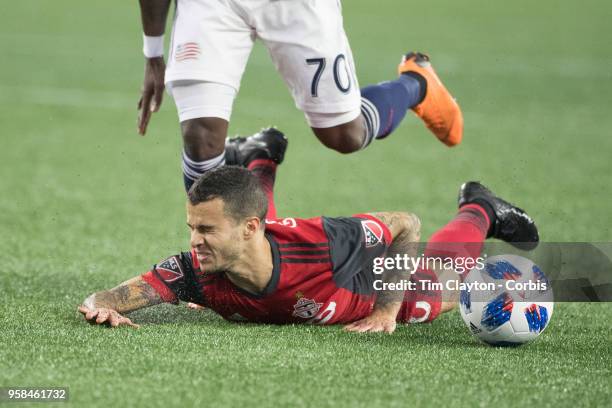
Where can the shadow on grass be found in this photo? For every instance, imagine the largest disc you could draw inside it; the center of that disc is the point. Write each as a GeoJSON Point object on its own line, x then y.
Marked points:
{"type": "Point", "coordinates": [169, 314]}
{"type": "Point", "coordinates": [445, 332]}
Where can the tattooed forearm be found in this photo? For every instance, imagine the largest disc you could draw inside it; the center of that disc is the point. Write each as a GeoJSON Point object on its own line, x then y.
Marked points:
{"type": "Point", "coordinates": [405, 228]}
{"type": "Point", "coordinates": [401, 222]}
{"type": "Point", "coordinates": [129, 296]}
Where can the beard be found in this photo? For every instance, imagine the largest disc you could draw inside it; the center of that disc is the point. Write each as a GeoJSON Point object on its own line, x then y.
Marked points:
{"type": "Point", "coordinates": [226, 258]}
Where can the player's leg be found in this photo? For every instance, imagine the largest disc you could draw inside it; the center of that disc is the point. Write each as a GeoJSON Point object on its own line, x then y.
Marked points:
{"type": "Point", "coordinates": [261, 153]}
{"type": "Point", "coordinates": [384, 106]}
{"type": "Point", "coordinates": [481, 215]}
{"type": "Point", "coordinates": [307, 45]}
{"type": "Point", "coordinates": [208, 53]}
{"type": "Point", "coordinates": [204, 110]}
{"type": "Point", "coordinates": [313, 55]}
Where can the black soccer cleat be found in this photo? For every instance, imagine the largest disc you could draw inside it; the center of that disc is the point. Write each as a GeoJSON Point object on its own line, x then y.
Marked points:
{"type": "Point", "coordinates": [269, 144]}
{"type": "Point", "coordinates": [512, 224]}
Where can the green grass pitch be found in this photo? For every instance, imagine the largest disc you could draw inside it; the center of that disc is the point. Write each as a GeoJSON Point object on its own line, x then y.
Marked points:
{"type": "Point", "coordinates": [86, 203]}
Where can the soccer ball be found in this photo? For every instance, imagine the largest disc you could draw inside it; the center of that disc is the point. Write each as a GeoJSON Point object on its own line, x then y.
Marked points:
{"type": "Point", "coordinates": [508, 302]}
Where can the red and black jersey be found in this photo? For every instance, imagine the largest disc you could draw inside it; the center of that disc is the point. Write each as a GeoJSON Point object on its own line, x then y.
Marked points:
{"type": "Point", "coordinates": [322, 273]}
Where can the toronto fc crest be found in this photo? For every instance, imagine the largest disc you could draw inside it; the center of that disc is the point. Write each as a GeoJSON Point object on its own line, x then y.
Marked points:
{"type": "Point", "coordinates": [306, 308]}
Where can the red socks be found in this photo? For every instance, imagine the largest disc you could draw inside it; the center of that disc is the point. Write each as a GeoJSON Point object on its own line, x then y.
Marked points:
{"type": "Point", "coordinates": [470, 225]}
{"type": "Point", "coordinates": [265, 170]}
{"type": "Point", "coordinates": [462, 237]}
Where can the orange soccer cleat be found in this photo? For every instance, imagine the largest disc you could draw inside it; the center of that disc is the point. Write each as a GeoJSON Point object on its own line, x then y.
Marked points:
{"type": "Point", "coordinates": [438, 110]}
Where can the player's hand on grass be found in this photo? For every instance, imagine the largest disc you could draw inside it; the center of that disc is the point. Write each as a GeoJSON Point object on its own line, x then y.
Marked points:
{"type": "Point", "coordinates": [374, 323]}
{"type": "Point", "coordinates": [106, 316]}
{"type": "Point", "coordinates": [152, 91]}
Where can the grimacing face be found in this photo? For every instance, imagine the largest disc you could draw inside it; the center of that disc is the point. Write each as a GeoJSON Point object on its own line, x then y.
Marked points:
{"type": "Point", "coordinates": [215, 237]}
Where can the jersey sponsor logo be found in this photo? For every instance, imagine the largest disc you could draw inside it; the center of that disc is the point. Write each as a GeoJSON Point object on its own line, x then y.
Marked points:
{"type": "Point", "coordinates": [306, 308]}
{"type": "Point", "coordinates": [170, 269]}
{"type": "Point", "coordinates": [187, 51]}
{"type": "Point", "coordinates": [285, 222]}
{"type": "Point", "coordinates": [373, 233]}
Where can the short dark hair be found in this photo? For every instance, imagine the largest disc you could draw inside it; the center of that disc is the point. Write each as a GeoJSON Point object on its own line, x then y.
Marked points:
{"type": "Point", "coordinates": [241, 191]}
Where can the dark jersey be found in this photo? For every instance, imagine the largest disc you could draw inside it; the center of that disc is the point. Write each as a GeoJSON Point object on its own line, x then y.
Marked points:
{"type": "Point", "coordinates": [322, 273]}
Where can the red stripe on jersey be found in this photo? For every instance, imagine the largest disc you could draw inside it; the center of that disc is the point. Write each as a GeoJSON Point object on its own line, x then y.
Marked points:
{"type": "Point", "coordinates": [306, 260]}
{"type": "Point", "coordinates": [187, 54]}
{"type": "Point", "coordinates": [305, 245]}
{"type": "Point", "coordinates": [186, 57]}
{"type": "Point", "coordinates": [305, 252]}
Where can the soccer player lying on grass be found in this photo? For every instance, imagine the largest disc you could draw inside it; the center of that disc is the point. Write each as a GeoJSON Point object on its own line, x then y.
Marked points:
{"type": "Point", "coordinates": [291, 270]}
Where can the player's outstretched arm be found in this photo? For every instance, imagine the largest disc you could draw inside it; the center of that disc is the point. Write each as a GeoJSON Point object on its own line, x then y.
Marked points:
{"type": "Point", "coordinates": [406, 232]}
{"type": "Point", "coordinates": [154, 14]}
{"type": "Point", "coordinates": [106, 307]}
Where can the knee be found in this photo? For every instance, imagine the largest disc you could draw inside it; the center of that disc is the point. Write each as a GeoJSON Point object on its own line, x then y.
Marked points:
{"type": "Point", "coordinates": [204, 138]}
{"type": "Point", "coordinates": [345, 138]}
{"type": "Point", "coordinates": [346, 143]}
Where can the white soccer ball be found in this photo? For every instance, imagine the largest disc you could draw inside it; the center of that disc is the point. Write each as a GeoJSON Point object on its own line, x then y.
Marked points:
{"type": "Point", "coordinates": [510, 301]}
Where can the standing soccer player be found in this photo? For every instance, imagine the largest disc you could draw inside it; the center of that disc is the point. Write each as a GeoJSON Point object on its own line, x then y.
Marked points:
{"type": "Point", "coordinates": [210, 45]}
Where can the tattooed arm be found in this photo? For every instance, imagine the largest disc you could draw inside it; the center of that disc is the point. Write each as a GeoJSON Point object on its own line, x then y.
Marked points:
{"type": "Point", "coordinates": [406, 231]}
{"type": "Point", "coordinates": [105, 307]}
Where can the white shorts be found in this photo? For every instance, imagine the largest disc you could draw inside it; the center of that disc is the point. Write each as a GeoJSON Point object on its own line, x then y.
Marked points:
{"type": "Point", "coordinates": [212, 40]}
